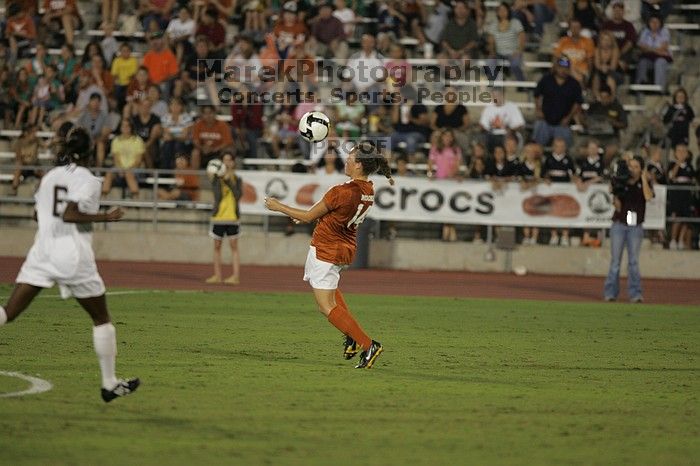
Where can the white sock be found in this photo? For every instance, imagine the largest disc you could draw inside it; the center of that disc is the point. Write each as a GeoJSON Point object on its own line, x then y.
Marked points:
{"type": "Point", "coordinates": [104, 337]}
{"type": "Point", "coordinates": [3, 316]}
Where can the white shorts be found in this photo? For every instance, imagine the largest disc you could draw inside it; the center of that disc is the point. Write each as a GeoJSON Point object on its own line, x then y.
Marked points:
{"type": "Point", "coordinates": [71, 266]}
{"type": "Point", "coordinates": [321, 275]}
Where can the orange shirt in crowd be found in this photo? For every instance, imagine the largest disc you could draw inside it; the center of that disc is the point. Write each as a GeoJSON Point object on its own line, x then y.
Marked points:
{"type": "Point", "coordinates": [161, 65]}
{"type": "Point", "coordinates": [215, 136]}
{"type": "Point", "coordinates": [190, 185]}
{"type": "Point", "coordinates": [335, 234]}
{"type": "Point", "coordinates": [23, 27]}
{"type": "Point", "coordinates": [579, 52]}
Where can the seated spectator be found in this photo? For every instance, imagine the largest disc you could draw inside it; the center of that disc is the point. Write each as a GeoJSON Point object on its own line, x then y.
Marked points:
{"type": "Point", "coordinates": [147, 126]}
{"type": "Point", "coordinates": [606, 64]}
{"type": "Point", "coordinates": [136, 92]}
{"type": "Point", "coordinates": [511, 147]}
{"type": "Point", "coordinates": [214, 32]}
{"type": "Point", "coordinates": [584, 11]}
{"type": "Point", "coordinates": [624, 32]}
{"type": "Point", "coordinates": [678, 118]}
{"type": "Point", "coordinates": [289, 30]}
{"type": "Point", "coordinates": [444, 162]}
{"type": "Point", "coordinates": [329, 33]}
{"type": "Point", "coordinates": [346, 16]}
{"type": "Point", "coordinates": [38, 63]}
{"type": "Point", "coordinates": [402, 166]}
{"type": "Point", "coordinates": [21, 96]}
{"type": "Point", "coordinates": [590, 170]}
{"type": "Point", "coordinates": [247, 123]}
{"type": "Point", "coordinates": [285, 139]}
{"type": "Point", "coordinates": [413, 13]}
{"type": "Point", "coordinates": [158, 106]}
{"type": "Point", "coordinates": [175, 126]}
{"type": "Point", "coordinates": [460, 38]}
{"type": "Point", "coordinates": [498, 170]}
{"type": "Point", "coordinates": [154, 11]}
{"type": "Point", "coordinates": [19, 31]}
{"type": "Point", "coordinates": [605, 118]}
{"type": "Point", "coordinates": [534, 14]}
{"type": "Point", "coordinates": [579, 50]}
{"type": "Point", "coordinates": [331, 163]}
{"type": "Point", "coordinates": [558, 168]}
{"type": "Point", "coordinates": [159, 60]}
{"type": "Point", "coordinates": [48, 95]}
{"type": "Point", "coordinates": [367, 58]}
{"type": "Point", "coordinates": [530, 175]}
{"type": "Point", "coordinates": [186, 186]}
{"type": "Point", "coordinates": [411, 126]}
{"type": "Point", "coordinates": [454, 116]}
{"type": "Point", "coordinates": [500, 117]}
{"type": "Point", "coordinates": [195, 69]}
{"type": "Point", "coordinates": [680, 201]}
{"type": "Point", "coordinates": [101, 76]}
{"type": "Point", "coordinates": [92, 49]}
{"type": "Point", "coordinates": [68, 68]}
{"type": "Point", "coordinates": [127, 152]}
{"type": "Point", "coordinates": [180, 33]}
{"type": "Point", "coordinates": [109, 44]}
{"type": "Point", "coordinates": [655, 44]}
{"type": "Point", "coordinates": [435, 24]}
{"type": "Point", "coordinates": [123, 69]}
{"type": "Point", "coordinates": [62, 14]}
{"type": "Point", "coordinates": [558, 99]}
{"type": "Point", "coordinates": [210, 138]}
{"type": "Point", "coordinates": [389, 22]}
{"type": "Point", "coordinates": [506, 40]}
{"type": "Point", "coordinates": [94, 120]}
{"type": "Point", "coordinates": [26, 155]}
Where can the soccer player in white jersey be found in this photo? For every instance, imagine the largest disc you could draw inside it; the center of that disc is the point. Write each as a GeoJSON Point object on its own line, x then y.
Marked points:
{"type": "Point", "coordinates": [67, 203]}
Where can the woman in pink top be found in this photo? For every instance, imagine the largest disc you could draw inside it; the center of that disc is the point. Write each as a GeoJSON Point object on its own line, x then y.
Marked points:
{"type": "Point", "coordinates": [444, 163]}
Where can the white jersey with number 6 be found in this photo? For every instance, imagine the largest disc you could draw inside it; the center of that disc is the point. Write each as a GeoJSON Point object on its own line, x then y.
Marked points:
{"type": "Point", "coordinates": [62, 252]}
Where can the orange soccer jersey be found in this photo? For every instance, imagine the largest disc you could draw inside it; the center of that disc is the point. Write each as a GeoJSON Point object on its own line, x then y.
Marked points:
{"type": "Point", "coordinates": [335, 235]}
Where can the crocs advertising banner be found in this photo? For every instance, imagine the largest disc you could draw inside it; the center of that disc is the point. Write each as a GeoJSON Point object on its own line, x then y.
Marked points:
{"type": "Point", "coordinates": [467, 202]}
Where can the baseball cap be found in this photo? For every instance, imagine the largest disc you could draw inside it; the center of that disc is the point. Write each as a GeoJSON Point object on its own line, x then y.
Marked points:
{"type": "Point", "coordinates": [564, 62]}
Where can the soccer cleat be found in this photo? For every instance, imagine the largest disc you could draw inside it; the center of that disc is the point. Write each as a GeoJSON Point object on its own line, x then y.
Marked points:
{"type": "Point", "coordinates": [123, 388]}
{"type": "Point", "coordinates": [368, 357]}
{"type": "Point", "coordinates": [350, 349]}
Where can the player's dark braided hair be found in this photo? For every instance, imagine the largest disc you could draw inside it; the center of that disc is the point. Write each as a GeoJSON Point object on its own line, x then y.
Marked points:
{"type": "Point", "coordinates": [372, 160]}
{"type": "Point", "coordinates": [59, 141]}
{"type": "Point", "coordinates": [74, 147]}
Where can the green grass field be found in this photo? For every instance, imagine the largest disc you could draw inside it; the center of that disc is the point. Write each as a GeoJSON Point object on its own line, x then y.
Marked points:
{"type": "Point", "coordinates": [238, 378]}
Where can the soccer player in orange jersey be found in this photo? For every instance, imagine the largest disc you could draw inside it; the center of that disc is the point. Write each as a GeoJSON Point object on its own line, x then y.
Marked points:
{"type": "Point", "coordinates": [333, 245]}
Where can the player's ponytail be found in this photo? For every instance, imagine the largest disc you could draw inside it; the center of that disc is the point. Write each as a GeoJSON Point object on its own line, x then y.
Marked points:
{"type": "Point", "coordinates": [372, 160]}
{"type": "Point", "coordinates": [383, 168]}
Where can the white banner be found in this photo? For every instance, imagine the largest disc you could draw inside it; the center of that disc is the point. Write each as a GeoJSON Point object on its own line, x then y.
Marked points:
{"type": "Point", "coordinates": [467, 202]}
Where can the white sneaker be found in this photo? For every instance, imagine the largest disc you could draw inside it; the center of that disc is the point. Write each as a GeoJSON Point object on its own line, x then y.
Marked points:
{"type": "Point", "coordinates": [565, 243]}
{"type": "Point", "coordinates": [680, 246]}
{"type": "Point", "coordinates": [673, 244]}
{"type": "Point", "coordinates": [554, 241]}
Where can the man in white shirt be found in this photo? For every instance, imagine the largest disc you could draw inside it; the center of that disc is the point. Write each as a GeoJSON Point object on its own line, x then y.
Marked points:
{"type": "Point", "coordinates": [367, 68]}
{"type": "Point", "coordinates": [500, 117]}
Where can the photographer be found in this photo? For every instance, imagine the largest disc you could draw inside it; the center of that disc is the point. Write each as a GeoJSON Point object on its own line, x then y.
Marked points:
{"type": "Point", "coordinates": [631, 191]}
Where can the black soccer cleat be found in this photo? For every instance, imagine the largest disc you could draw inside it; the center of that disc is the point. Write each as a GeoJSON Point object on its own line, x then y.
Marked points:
{"type": "Point", "coordinates": [123, 388]}
{"type": "Point", "coordinates": [367, 358]}
{"type": "Point", "coordinates": [350, 349]}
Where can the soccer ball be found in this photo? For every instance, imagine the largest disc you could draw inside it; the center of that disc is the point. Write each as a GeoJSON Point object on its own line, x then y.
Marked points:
{"type": "Point", "coordinates": [216, 167]}
{"type": "Point", "coordinates": [314, 126]}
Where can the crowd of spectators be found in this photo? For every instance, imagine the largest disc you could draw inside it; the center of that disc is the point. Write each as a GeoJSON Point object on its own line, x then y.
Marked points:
{"type": "Point", "coordinates": [142, 108]}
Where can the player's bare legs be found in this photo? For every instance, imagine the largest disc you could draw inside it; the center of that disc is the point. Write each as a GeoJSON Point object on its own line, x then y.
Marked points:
{"type": "Point", "coordinates": [235, 262]}
{"type": "Point", "coordinates": [22, 296]}
{"type": "Point", "coordinates": [216, 278]}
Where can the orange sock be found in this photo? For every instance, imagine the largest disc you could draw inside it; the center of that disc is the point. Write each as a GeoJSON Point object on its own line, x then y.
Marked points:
{"type": "Point", "coordinates": [342, 320]}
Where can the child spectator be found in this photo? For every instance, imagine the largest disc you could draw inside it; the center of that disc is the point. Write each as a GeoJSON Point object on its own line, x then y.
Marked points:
{"type": "Point", "coordinates": [654, 42]}
{"type": "Point", "coordinates": [657, 175]}
{"type": "Point", "coordinates": [109, 44]}
{"type": "Point", "coordinates": [180, 33]}
{"type": "Point", "coordinates": [678, 118]}
{"type": "Point", "coordinates": [530, 174]}
{"type": "Point", "coordinates": [558, 168]}
{"type": "Point", "coordinates": [47, 96]}
{"type": "Point", "coordinates": [26, 155]}
{"type": "Point", "coordinates": [21, 94]}
{"type": "Point", "coordinates": [186, 186]}
{"type": "Point", "coordinates": [127, 152]}
{"type": "Point", "coordinates": [444, 163]}
{"type": "Point", "coordinates": [123, 69]}
{"type": "Point", "coordinates": [37, 64]}
{"type": "Point", "coordinates": [590, 170]}
{"type": "Point", "coordinates": [680, 201]}
{"type": "Point", "coordinates": [225, 220]}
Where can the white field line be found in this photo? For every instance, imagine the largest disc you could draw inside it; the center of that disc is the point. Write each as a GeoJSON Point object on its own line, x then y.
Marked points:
{"type": "Point", "coordinates": [113, 293]}
{"type": "Point", "coordinates": [38, 385]}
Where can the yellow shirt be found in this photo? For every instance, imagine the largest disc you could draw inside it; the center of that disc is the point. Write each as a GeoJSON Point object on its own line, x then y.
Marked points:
{"type": "Point", "coordinates": [227, 211]}
{"type": "Point", "coordinates": [123, 69]}
{"type": "Point", "coordinates": [127, 151]}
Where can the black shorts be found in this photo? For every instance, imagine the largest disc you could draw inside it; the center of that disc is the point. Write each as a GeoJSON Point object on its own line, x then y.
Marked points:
{"type": "Point", "coordinates": [680, 203]}
{"type": "Point", "coordinates": [218, 231]}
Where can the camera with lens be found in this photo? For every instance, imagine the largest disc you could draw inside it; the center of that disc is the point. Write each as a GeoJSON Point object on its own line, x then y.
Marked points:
{"type": "Point", "coordinates": [620, 178]}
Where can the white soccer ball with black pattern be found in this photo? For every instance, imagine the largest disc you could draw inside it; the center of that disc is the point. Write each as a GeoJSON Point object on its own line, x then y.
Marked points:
{"type": "Point", "coordinates": [216, 167]}
{"type": "Point", "coordinates": [314, 126]}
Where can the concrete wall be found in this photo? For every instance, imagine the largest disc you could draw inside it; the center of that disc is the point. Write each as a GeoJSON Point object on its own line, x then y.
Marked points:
{"type": "Point", "coordinates": [276, 249]}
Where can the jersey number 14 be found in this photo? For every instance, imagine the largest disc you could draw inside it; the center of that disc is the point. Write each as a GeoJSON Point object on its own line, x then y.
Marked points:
{"type": "Point", "coordinates": [359, 216]}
